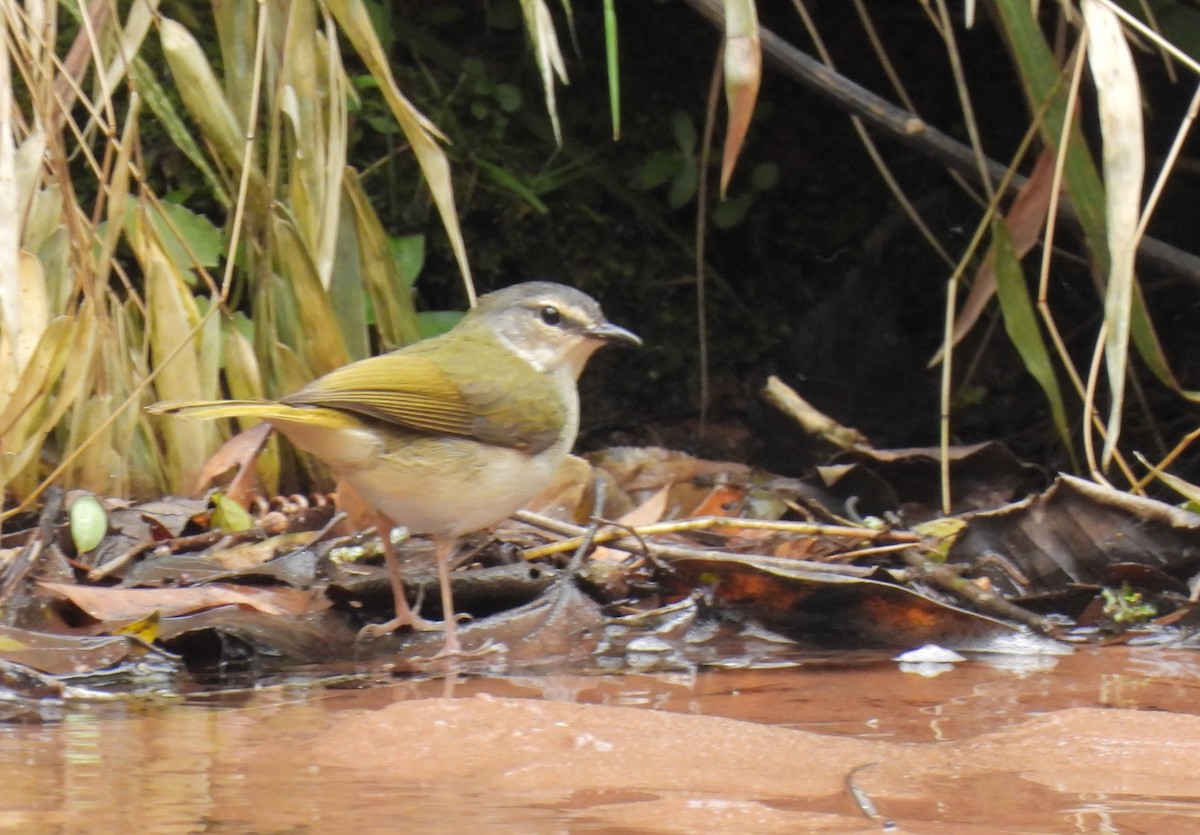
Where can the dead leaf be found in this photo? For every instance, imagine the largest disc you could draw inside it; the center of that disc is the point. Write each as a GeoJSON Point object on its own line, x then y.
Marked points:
{"type": "Point", "coordinates": [1076, 533]}
{"type": "Point", "coordinates": [743, 75]}
{"type": "Point", "coordinates": [118, 604]}
{"type": "Point", "coordinates": [1025, 220]}
{"type": "Point", "coordinates": [1119, 102]}
{"type": "Point", "coordinates": [651, 468]}
{"type": "Point", "coordinates": [841, 611]}
{"type": "Point", "coordinates": [647, 513]}
{"type": "Point", "coordinates": [241, 451]}
{"type": "Point", "coordinates": [62, 654]}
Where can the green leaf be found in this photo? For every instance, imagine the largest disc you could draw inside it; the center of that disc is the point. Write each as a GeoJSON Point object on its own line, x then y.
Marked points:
{"type": "Point", "coordinates": [504, 15]}
{"type": "Point", "coordinates": [612, 64]}
{"type": "Point", "coordinates": [513, 183]}
{"type": "Point", "coordinates": [731, 212]}
{"type": "Point", "coordinates": [658, 168]}
{"type": "Point", "coordinates": [409, 252]}
{"type": "Point", "coordinates": [436, 322]}
{"type": "Point", "coordinates": [684, 131]}
{"type": "Point", "coordinates": [229, 515]}
{"type": "Point", "coordinates": [189, 239]}
{"type": "Point", "coordinates": [765, 176]}
{"type": "Point", "coordinates": [683, 187]}
{"type": "Point", "coordinates": [508, 97]}
{"type": "Point", "coordinates": [1021, 323]}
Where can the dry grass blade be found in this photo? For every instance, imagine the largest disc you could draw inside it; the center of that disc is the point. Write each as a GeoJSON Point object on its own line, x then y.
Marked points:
{"type": "Point", "coordinates": [76, 379]}
{"type": "Point", "coordinates": [317, 332]}
{"type": "Point", "coordinates": [244, 378]}
{"type": "Point", "coordinates": [1025, 220]}
{"type": "Point", "coordinates": [164, 110]}
{"type": "Point", "coordinates": [14, 348]}
{"type": "Point", "coordinates": [317, 141]}
{"type": "Point", "coordinates": [22, 424]}
{"type": "Point", "coordinates": [172, 315]}
{"type": "Point", "coordinates": [1119, 101]}
{"type": "Point", "coordinates": [205, 100]}
{"type": "Point", "coordinates": [394, 314]}
{"type": "Point", "coordinates": [26, 318]}
{"type": "Point", "coordinates": [743, 75]}
{"type": "Point", "coordinates": [422, 135]}
{"type": "Point", "coordinates": [540, 26]}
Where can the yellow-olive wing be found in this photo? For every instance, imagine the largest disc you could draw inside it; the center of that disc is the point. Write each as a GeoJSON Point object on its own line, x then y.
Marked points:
{"type": "Point", "coordinates": [464, 386]}
{"type": "Point", "coordinates": [403, 389]}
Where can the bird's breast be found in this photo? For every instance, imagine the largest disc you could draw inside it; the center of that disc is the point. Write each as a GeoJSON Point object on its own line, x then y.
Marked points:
{"type": "Point", "coordinates": [453, 486]}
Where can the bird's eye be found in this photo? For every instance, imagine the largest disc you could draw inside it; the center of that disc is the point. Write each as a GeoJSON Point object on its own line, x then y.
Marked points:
{"type": "Point", "coordinates": [550, 315]}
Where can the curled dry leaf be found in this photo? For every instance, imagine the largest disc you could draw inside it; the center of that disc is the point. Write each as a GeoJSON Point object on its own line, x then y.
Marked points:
{"type": "Point", "coordinates": [1078, 532]}
{"type": "Point", "coordinates": [118, 604]}
{"type": "Point", "coordinates": [743, 75]}
{"type": "Point", "coordinates": [240, 451]}
{"type": "Point", "coordinates": [1119, 100]}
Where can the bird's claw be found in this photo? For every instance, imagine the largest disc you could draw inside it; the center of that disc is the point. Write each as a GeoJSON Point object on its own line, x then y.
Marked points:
{"type": "Point", "coordinates": [414, 622]}
{"type": "Point", "coordinates": [455, 650]}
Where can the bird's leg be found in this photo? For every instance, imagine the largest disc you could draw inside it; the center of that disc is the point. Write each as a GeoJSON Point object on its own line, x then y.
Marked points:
{"type": "Point", "coordinates": [443, 549]}
{"type": "Point", "coordinates": [405, 616]}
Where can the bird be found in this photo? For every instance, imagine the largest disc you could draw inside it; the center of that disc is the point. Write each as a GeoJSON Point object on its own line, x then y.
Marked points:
{"type": "Point", "coordinates": [452, 434]}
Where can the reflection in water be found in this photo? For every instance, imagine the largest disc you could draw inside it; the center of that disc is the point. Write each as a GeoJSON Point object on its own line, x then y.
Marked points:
{"type": "Point", "coordinates": [185, 767]}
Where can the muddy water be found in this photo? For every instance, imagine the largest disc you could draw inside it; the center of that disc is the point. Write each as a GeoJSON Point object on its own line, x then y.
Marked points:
{"type": "Point", "coordinates": [1102, 741]}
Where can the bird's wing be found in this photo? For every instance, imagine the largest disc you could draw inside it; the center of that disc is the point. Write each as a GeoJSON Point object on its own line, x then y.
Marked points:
{"type": "Point", "coordinates": [468, 391]}
{"type": "Point", "coordinates": [406, 390]}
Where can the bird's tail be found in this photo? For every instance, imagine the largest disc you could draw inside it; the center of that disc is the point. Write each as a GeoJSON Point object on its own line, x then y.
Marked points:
{"type": "Point", "coordinates": [281, 413]}
{"type": "Point", "coordinates": [207, 409]}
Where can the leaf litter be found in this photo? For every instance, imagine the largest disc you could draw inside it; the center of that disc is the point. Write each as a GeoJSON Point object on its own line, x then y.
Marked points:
{"type": "Point", "coordinates": [636, 560]}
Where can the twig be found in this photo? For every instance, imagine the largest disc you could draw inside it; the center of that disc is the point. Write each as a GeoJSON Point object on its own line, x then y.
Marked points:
{"type": "Point", "coordinates": [585, 542]}
{"type": "Point", "coordinates": [911, 130]}
{"type": "Point", "coordinates": [612, 534]}
{"type": "Point", "coordinates": [22, 565]}
{"type": "Point", "coordinates": [948, 578]}
{"type": "Point", "coordinates": [619, 538]}
{"type": "Point", "coordinates": [783, 397]}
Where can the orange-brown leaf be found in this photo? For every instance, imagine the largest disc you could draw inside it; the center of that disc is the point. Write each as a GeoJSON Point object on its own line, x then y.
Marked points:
{"type": "Point", "coordinates": [1025, 220]}
{"type": "Point", "coordinates": [240, 451]}
{"type": "Point", "coordinates": [118, 604]}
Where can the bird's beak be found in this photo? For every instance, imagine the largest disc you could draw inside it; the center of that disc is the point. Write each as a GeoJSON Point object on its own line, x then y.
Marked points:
{"type": "Point", "coordinates": [608, 332]}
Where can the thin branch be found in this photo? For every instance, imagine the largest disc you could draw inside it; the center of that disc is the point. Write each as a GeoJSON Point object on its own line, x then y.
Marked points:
{"type": "Point", "coordinates": [911, 130]}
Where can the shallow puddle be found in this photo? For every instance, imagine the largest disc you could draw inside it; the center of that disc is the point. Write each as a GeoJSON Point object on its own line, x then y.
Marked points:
{"type": "Point", "coordinates": [1105, 740]}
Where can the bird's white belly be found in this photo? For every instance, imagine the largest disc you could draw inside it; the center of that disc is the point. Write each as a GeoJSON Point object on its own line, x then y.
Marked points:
{"type": "Point", "coordinates": [445, 486]}
{"type": "Point", "coordinates": [427, 499]}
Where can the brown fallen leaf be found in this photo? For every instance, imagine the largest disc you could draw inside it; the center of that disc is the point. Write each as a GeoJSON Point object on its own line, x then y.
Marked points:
{"type": "Point", "coordinates": [1078, 533]}
{"type": "Point", "coordinates": [59, 654]}
{"type": "Point", "coordinates": [1025, 220]}
{"type": "Point", "coordinates": [241, 451]}
{"type": "Point", "coordinates": [647, 513]}
{"type": "Point", "coordinates": [118, 604]}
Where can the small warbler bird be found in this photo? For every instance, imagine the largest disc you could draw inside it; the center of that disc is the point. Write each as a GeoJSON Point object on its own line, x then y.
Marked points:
{"type": "Point", "coordinates": [451, 434]}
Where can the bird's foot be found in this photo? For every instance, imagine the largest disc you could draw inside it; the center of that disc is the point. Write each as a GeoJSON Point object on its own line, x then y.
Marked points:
{"type": "Point", "coordinates": [414, 622]}
{"type": "Point", "coordinates": [452, 649]}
